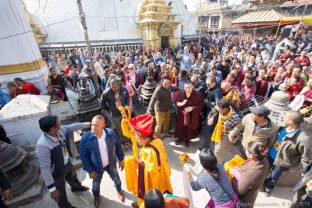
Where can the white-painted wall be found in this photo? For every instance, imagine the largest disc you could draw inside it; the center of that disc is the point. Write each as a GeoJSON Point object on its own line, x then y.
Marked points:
{"type": "Point", "coordinates": [18, 45]}
{"type": "Point", "coordinates": [106, 19]}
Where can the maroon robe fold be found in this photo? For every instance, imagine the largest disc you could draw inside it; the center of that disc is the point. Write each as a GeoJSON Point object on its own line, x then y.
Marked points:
{"type": "Point", "coordinates": [188, 124]}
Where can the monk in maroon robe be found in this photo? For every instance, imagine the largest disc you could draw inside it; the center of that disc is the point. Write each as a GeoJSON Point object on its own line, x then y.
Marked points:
{"type": "Point", "coordinates": [190, 104]}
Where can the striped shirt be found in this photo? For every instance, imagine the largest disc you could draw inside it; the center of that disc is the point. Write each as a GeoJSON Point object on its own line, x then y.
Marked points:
{"type": "Point", "coordinates": [218, 194]}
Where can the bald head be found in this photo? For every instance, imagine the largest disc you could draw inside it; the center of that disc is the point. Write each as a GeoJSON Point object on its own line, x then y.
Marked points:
{"type": "Point", "coordinates": [293, 118]}
{"type": "Point", "coordinates": [226, 87]}
{"type": "Point", "coordinates": [163, 65]}
{"type": "Point", "coordinates": [97, 125]}
{"type": "Point", "coordinates": [194, 79]}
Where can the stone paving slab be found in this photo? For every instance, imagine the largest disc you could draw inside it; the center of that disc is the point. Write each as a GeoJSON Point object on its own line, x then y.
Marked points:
{"type": "Point", "coordinates": [280, 198]}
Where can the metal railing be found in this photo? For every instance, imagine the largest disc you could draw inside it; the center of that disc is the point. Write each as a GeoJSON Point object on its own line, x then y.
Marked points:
{"type": "Point", "coordinates": [246, 104]}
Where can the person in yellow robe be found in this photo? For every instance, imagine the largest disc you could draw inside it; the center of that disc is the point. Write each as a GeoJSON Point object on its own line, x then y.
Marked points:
{"type": "Point", "coordinates": [151, 169]}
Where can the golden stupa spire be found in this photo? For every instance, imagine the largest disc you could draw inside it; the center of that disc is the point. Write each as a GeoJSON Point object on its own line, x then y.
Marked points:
{"type": "Point", "coordinates": [34, 27]}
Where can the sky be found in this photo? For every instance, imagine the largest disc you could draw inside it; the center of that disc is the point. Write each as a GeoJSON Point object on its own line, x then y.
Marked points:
{"type": "Point", "coordinates": [191, 4]}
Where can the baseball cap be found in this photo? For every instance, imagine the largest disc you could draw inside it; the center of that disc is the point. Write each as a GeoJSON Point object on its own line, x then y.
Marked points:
{"type": "Point", "coordinates": [261, 110]}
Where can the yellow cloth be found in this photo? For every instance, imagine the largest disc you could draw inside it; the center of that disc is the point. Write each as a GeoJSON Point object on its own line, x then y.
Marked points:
{"type": "Point", "coordinates": [127, 129]}
{"type": "Point", "coordinates": [217, 132]}
{"type": "Point", "coordinates": [306, 110]}
{"type": "Point", "coordinates": [155, 176]}
{"type": "Point", "coordinates": [235, 99]}
{"type": "Point", "coordinates": [237, 161]}
{"type": "Point", "coordinates": [131, 174]}
{"type": "Point", "coordinates": [158, 177]}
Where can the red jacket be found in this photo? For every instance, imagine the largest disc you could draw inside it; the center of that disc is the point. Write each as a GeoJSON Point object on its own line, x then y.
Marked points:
{"type": "Point", "coordinates": [262, 87]}
{"type": "Point", "coordinates": [29, 88]}
{"type": "Point", "coordinates": [292, 90]}
{"type": "Point", "coordinates": [303, 62]}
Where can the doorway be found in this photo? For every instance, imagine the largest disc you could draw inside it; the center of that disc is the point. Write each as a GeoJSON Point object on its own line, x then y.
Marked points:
{"type": "Point", "coordinates": [164, 42]}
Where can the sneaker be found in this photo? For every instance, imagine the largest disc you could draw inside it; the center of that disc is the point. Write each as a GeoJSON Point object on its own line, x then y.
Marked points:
{"type": "Point", "coordinates": [179, 141]}
{"type": "Point", "coordinates": [202, 147]}
{"type": "Point", "coordinates": [163, 135]}
{"type": "Point", "coordinates": [267, 192]}
{"type": "Point", "coordinates": [81, 188]}
{"type": "Point", "coordinates": [187, 143]}
{"type": "Point", "coordinates": [121, 196]}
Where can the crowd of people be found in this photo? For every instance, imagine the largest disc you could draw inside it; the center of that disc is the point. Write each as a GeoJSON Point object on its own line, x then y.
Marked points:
{"type": "Point", "coordinates": [205, 87]}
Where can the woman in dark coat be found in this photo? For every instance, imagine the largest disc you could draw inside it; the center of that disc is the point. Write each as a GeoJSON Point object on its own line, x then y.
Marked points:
{"type": "Point", "coordinates": [251, 174]}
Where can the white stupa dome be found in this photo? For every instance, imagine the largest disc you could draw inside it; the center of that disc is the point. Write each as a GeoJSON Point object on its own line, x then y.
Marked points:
{"type": "Point", "coordinates": [107, 20]}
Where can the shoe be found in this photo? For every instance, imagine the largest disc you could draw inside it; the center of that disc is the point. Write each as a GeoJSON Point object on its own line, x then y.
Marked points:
{"type": "Point", "coordinates": [201, 148]}
{"type": "Point", "coordinates": [134, 205]}
{"type": "Point", "coordinates": [97, 202]}
{"type": "Point", "coordinates": [179, 141]}
{"type": "Point", "coordinates": [121, 196]}
{"type": "Point", "coordinates": [165, 135]}
{"type": "Point", "coordinates": [81, 188]}
{"type": "Point", "coordinates": [267, 192]}
{"type": "Point", "coordinates": [187, 143]}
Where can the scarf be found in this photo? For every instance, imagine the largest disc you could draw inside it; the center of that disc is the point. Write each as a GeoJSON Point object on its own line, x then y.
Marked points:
{"type": "Point", "coordinates": [216, 135]}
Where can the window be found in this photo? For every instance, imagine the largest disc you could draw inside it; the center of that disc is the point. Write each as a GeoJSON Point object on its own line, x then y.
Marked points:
{"type": "Point", "coordinates": [215, 22]}
{"type": "Point", "coordinates": [203, 18]}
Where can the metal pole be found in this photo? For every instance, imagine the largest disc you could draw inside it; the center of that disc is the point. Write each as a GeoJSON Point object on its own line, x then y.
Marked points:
{"type": "Point", "coordinates": [301, 19]}
{"type": "Point", "coordinates": [279, 24]}
{"type": "Point", "coordinates": [200, 25]}
{"type": "Point", "coordinates": [82, 17]}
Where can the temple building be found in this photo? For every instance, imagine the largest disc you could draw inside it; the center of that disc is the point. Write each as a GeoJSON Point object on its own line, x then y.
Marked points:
{"type": "Point", "coordinates": [112, 25]}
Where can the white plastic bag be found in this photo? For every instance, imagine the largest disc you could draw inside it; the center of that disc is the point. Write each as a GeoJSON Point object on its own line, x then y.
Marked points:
{"type": "Point", "coordinates": [196, 170]}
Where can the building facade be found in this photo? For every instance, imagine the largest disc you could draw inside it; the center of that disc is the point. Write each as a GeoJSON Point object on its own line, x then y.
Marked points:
{"type": "Point", "coordinates": [270, 17]}
{"type": "Point", "coordinates": [297, 7]}
{"type": "Point", "coordinates": [216, 15]}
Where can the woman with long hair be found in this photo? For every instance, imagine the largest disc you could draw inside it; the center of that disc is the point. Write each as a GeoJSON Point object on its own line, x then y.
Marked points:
{"type": "Point", "coordinates": [251, 174]}
{"type": "Point", "coordinates": [215, 181]}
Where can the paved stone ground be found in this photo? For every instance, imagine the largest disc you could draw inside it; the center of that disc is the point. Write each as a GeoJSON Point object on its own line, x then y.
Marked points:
{"type": "Point", "coordinates": [280, 198]}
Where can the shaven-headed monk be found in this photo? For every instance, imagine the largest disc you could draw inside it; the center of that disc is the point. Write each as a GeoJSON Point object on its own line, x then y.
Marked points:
{"type": "Point", "coordinates": [151, 169]}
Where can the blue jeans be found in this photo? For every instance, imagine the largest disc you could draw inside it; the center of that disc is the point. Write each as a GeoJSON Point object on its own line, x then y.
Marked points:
{"type": "Point", "coordinates": [111, 169]}
{"type": "Point", "coordinates": [270, 160]}
{"type": "Point", "coordinates": [276, 172]}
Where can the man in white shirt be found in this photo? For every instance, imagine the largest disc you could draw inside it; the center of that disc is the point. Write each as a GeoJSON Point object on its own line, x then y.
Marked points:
{"type": "Point", "coordinates": [99, 150]}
